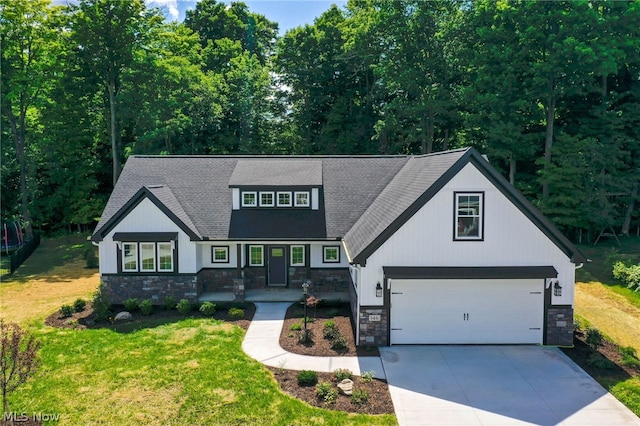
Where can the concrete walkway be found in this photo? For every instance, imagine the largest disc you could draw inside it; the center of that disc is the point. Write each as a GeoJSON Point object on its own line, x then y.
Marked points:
{"type": "Point", "coordinates": [262, 344]}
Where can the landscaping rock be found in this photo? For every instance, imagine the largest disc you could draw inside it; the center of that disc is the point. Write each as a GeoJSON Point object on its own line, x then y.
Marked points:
{"type": "Point", "coordinates": [123, 316]}
{"type": "Point", "coordinates": [346, 386]}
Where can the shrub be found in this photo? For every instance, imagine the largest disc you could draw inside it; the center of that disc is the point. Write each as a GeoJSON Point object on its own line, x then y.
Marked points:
{"type": "Point", "coordinates": [183, 306]}
{"type": "Point", "coordinates": [340, 344]}
{"type": "Point", "coordinates": [342, 373]}
{"type": "Point", "coordinates": [629, 356]}
{"type": "Point", "coordinates": [91, 258]}
{"type": "Point", "coordinates": [307, 378]}
{"type": "Point", "coordinates": [131, 304]}
{"type": "Point", "coordinates": [359, 396]}
{"type": "Point", "coordinates": [170, 303]}
{"type": "Point", "coordinates": [330, 330]}
{"type": "Point", "coordinates": [597, 360]}
{"type": "Point", "coordinates": [101, 305]}
{"type": "Point", "coordinates": [146, 307]}
{"type": "Point", "coordinates": [296, 326]}
{"type": "Point", "coordinates": [367, 376]}
{"type": "Point", "coordinates": [326, 392]}
{"type": "Point", "coordinates": [207, 308]}
{"type": "Point", "coordinates": [66, 311]}
{"type": "Point", "coordinates": [79, 305]}
{"type": "Point", "coordinates": [594, 338]}
{"type": "Point", "coordinates": [236, 313]}
{"type": "Point", "coordinates": [305, 337]}
{"type": "Point", "coordinates": [628, 274]}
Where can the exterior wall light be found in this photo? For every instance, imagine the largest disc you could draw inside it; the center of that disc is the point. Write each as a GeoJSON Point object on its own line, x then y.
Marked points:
{"type": "Point", "coordinates": [378, 290]}
{"type": "Point", "coordinates": [557, 289]}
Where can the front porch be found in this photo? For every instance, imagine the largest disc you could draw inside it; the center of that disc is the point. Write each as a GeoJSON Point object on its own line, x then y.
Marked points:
{"type": "Point", "coordinates": [272, 295]}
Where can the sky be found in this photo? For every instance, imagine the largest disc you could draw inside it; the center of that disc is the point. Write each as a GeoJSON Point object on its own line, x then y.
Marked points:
{"type": "Point", "coordinates": [287, 13]}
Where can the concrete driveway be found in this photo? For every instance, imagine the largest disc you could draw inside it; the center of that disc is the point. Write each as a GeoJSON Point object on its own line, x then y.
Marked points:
{"type": "Point", "coordinates": [496, 385]}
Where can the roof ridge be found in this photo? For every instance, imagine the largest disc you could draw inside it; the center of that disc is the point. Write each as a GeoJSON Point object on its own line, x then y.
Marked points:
{"type": "Point", "coordinates": [274, 156]}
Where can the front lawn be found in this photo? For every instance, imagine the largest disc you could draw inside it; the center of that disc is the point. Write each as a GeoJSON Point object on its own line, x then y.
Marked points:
{"type": "Point", "coordinates": [187, 371]}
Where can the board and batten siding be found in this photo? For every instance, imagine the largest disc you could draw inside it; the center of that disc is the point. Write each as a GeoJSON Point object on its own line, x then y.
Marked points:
{"type": "Point", "coordinates": [426, 239]}
{"type": "Point", "coordinates": [146, 217]}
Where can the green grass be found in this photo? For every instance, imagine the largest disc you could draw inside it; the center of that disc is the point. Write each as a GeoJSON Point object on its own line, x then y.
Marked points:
{"type": "Point", "coordinates": [188, 372]}
{"type": "Point", "coordinates": [608, 305]}
{"type": "Point", "coordinates": [155, 372]}
{"type": "Point", "coordinates": [599, 267]}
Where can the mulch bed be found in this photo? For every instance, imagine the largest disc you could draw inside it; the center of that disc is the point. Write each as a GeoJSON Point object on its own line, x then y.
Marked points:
{"type": "Point", "coordinates": [581, 354]}
{"type": "Point", "coordinates": [339, 313]}
{"type": "Point", "coordinates": [85, 319]}
{"type": "Point", "coordinates": [378, 402]}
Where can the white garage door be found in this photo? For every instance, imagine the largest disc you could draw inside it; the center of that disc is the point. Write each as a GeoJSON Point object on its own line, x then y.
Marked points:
{"type": "Point", "coordinates": [466, 311]}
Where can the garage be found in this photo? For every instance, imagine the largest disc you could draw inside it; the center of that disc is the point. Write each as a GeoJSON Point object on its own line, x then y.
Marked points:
{"type": "Point", "coordinates": [488, 309]}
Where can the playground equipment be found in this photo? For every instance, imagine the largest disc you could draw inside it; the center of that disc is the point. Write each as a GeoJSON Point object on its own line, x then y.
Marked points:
{"type": "Point", "coordinates": [12, 236]}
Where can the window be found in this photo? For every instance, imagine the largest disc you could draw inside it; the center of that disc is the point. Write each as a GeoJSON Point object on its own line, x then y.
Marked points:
{"type": "Point", "coordinates": [301, 199]}
{"type": "Point", "coordinates": [469, 210]}
{"type": "Point", "coordinates": [284, 199]}
{"type": "Point", "coordinates": [249, 199]}
{"type": "Point", "coordinates": [130, 257]}
{"type": "Point", "coordinates": [256, 256]}
{"type": "Point", "coordinates": [331, 254]}
{"type": "Point", "coordinates": [147, 257]}
{"type": "Point", "coordinates": [220, 254]}
{"type": "Point", "coordinates": [266, 199]}
{"type": "Point", "coordinates": [165, 257]}
{"type": "Point", "coordinates": [297, 255]}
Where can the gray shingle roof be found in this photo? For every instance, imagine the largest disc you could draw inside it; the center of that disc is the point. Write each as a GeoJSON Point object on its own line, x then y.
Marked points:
{"type": "Point", "coordinates": [262, 172]}
{"type": "Point", "coordinates": [395, 200]}
{"type": "Point", "coordinates": [364, 199]}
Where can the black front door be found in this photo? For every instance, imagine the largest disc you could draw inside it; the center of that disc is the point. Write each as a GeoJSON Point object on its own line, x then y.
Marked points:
{"type": "Point", "coordinates": [277, 265]}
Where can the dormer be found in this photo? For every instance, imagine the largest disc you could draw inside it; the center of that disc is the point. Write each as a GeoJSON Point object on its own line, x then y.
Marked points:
{"type": "Point", "coordinates": [276, 184]}
{"type": "Point", "coordinates": [277, 198]}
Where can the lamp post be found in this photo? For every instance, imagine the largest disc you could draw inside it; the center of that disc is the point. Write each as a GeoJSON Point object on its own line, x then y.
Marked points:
{"type": "Point", "coordinates": [305, 292]}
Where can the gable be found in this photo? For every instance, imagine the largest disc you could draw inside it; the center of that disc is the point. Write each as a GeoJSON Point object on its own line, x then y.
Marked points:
{"type": "Point", "coordinates": [414, 187]}
{"type": "Point", "coordinates": [159, 196]}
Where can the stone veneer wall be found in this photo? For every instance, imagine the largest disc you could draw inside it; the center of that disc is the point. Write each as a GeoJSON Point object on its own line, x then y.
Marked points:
{"type": "Point", "coordinates": [119, 288]}
{"type": "Point", "coordinates": [559, 326]}
{"type": "Point", "coordinates": [255, 277]}
{"type": "Point", "coordinates": [330, 279]}
{"type": "Point", "coordinates": [373, 326]}
{"type": "Point", "coordinates": [217, 279]}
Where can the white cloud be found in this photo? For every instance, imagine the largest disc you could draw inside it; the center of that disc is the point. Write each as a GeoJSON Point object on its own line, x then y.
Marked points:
{"type": "Point", "coordinates": [170, 5]}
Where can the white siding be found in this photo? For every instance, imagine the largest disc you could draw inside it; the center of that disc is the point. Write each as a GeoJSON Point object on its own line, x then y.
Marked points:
{"type": "Point", "coordinates": [235, 195]}
{"type": "Point", "coordinates": [510, 239]}
{"type": "Point", "coordinates": [317, 255]}
{"type": "Point", "coordinates": [146, 217]}
{"type": "Point", "coordinates": [204, 255]}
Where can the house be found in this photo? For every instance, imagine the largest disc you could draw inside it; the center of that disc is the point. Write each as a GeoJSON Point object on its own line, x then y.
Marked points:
{"type": "Point", "coordinates": [435, 248]}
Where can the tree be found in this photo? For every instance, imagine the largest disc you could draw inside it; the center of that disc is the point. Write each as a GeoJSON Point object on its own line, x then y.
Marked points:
{"type": "Point", "coordinates": [28, 50]}
{"type": "Point", "coordinates": [237, 47]}
{"type": "Point", "coordinates": [107, 34]}
{"type": "Point", "coordinates": [18, 359]}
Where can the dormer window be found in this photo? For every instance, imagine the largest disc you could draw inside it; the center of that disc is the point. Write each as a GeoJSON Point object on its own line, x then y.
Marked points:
{"type": "Point", "coordinates": [266, 199]}
{"type": "Point", "coordinates": [284, 199]}
{"type": "Point", "coordinates": [301, 199]}
{"type": "Point", "coordinates": [249, 199]}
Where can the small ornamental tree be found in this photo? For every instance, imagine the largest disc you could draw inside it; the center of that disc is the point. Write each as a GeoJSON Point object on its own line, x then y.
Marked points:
{"type": "Point", "coordinates": [18, 358]}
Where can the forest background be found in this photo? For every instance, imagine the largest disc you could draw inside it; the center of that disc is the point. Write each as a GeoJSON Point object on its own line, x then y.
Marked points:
{"type": "Point", "coordinates": [549, 91]}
